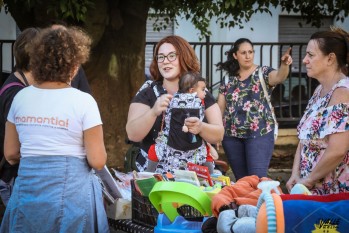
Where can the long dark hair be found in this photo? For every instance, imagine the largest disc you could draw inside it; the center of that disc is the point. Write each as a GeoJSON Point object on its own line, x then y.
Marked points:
{"type": "Point", "coordinates": [231, 65]}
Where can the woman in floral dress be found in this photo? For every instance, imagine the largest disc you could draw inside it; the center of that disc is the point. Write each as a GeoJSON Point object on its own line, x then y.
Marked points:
{"type": "Point", "coordinates": [249, 140]}
{"type": "Point", "coordinates": [322, 156]}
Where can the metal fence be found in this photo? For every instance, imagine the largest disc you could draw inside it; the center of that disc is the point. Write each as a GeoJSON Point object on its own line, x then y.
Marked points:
{"type": "Point", "coordinates": [289, 99]}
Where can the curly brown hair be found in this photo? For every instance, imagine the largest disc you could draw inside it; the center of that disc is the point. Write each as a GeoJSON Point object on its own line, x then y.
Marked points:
{"type": "Point", "coordinates": [188, 60]}
{"type": "Point", "coordinates": [55, 54]}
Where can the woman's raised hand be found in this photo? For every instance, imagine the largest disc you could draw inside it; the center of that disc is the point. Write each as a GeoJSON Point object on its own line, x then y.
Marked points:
{"type": "Point", "coordinates": [286, 59]}
{"type": "Point", "coordinates": [161, 104]}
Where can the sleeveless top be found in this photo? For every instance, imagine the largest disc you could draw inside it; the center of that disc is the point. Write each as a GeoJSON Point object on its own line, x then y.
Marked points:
{"type": "Point", "coordinates": [318, 122]}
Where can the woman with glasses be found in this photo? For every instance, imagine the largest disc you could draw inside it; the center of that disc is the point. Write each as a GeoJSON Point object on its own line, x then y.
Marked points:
{"type": "Point", "coordinates": [249, 140]}
{"type": "Point", "coordinates": [173, 56]}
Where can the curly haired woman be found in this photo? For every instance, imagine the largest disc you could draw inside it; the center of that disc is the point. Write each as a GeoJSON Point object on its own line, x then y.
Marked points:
{"type": "Point", "coordinates": [55, 131]}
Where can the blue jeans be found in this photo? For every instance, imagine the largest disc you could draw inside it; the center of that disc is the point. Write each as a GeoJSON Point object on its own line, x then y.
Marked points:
{"type": "Point", "coordinates": [249, 156]}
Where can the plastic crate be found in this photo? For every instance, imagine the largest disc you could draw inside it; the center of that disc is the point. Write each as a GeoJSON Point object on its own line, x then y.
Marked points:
{"type": "Point", "coordinates": [143, 212]}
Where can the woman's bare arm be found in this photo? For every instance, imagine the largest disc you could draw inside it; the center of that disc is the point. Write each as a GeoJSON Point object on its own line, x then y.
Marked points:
{"type": "Point", "coordinates": [295, 176]}
{"type": "Point", "coordinates": [280, 75]}
{"type": "Point", "coordinates": [141, 117]}
{"type": "Point", "coordinates": [213, 130]}
{"type": "Point", "coordinates": [221, 103]}
{"type": "Point", "coordinates": [338, 146]}
{"type": "Point", "coordinates": [11, 144]}
{"type": "Point", "coordinates": [95, 149]}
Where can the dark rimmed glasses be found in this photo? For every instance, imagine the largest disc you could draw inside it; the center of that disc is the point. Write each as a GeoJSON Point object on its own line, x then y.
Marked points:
{"type": "Point", "coordinates": [170, 57]}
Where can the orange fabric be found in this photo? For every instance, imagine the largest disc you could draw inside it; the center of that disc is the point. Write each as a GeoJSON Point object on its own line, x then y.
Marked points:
{"type": "Point", "coordinates": [243, 192]}
{"type": "Point", "coordinates": [280, 218]}
{"type": "Point", "coordinates": [262, 218]}
{"type": "Point", "coordinates": [152, 154]}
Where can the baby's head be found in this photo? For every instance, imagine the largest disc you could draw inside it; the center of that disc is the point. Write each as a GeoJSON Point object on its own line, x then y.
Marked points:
{"type": "Point", "coordinates": [191, 82]}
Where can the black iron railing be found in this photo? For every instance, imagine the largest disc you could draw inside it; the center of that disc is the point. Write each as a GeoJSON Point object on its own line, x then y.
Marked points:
{"type": "Point", "coordinates": [289, 99]}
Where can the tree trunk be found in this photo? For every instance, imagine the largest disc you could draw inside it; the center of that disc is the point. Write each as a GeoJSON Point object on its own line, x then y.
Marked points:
{"type": "Point", "coordinates": [116, 67]}
{"type": "Point", "coordinates": [116, 71]}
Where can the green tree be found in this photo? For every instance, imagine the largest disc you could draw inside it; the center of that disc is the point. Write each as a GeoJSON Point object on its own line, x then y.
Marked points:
{"type": "Point", "coordinates": [118, 28]}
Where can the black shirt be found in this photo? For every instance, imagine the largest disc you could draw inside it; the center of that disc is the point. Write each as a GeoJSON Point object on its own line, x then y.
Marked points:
{"type": "Point", "coordinates": [8, 171]}
{"type": "Point", "coordinates": [80, 81]}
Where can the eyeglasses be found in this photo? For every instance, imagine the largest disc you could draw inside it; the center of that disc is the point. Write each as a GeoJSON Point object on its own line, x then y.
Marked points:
{"type": "Point", "coordinates": [170, 57]}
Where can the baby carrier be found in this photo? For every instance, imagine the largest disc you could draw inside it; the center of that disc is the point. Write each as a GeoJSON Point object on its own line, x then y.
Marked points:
{"type": "Point", "coordinates": [174, 147]}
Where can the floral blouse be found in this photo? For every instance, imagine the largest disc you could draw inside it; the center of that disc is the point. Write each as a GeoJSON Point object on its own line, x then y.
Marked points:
{"type": "Point", "coordinates": [247, 114]}
{"type": "Point", "coordinates": [318, 122]}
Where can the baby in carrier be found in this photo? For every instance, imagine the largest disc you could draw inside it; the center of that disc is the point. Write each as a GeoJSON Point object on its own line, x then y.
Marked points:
{"type": "Point", "coordinates": [175, 146]}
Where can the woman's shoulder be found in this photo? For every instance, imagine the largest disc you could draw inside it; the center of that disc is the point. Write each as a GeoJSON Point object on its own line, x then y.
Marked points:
{"type": "Point", "coordinates": [209, 100]}
{"type": "Point", "coordinates": [11, 78]}
{"type": "Point", "coordinates": [148, 93]}
{"type": "Point", "coordinates": [152, 86]}
{"type": "Point", "coordinates": [81, 93]}
{"type": "Point", "coordinates": [343, 83]}
{"type": "Point", "coordinates": [329, 120]}
{"type": "Point", "coordinates": [146, 85]}
{"type": "Point", "coordinates": [11, 86]}
{"type": "Point", "coordinates": [266, 69]}
{"type": "Point", "coordinates": [340, 92]}
{"type": "Point", "coordinates": [340, 95]}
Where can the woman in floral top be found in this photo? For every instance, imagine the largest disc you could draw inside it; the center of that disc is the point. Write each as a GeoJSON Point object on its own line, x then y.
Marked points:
{"type": "Point", "coordinates": [248, 141]}
{"type": "Point", "coordinates": [322, 156]}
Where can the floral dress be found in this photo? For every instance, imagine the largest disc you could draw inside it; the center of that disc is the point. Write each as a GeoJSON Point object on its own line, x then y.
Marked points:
{"type": "Point", "coordinates": [318, 122]}
{"type": "Point", "coordinates": [247, 114]}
